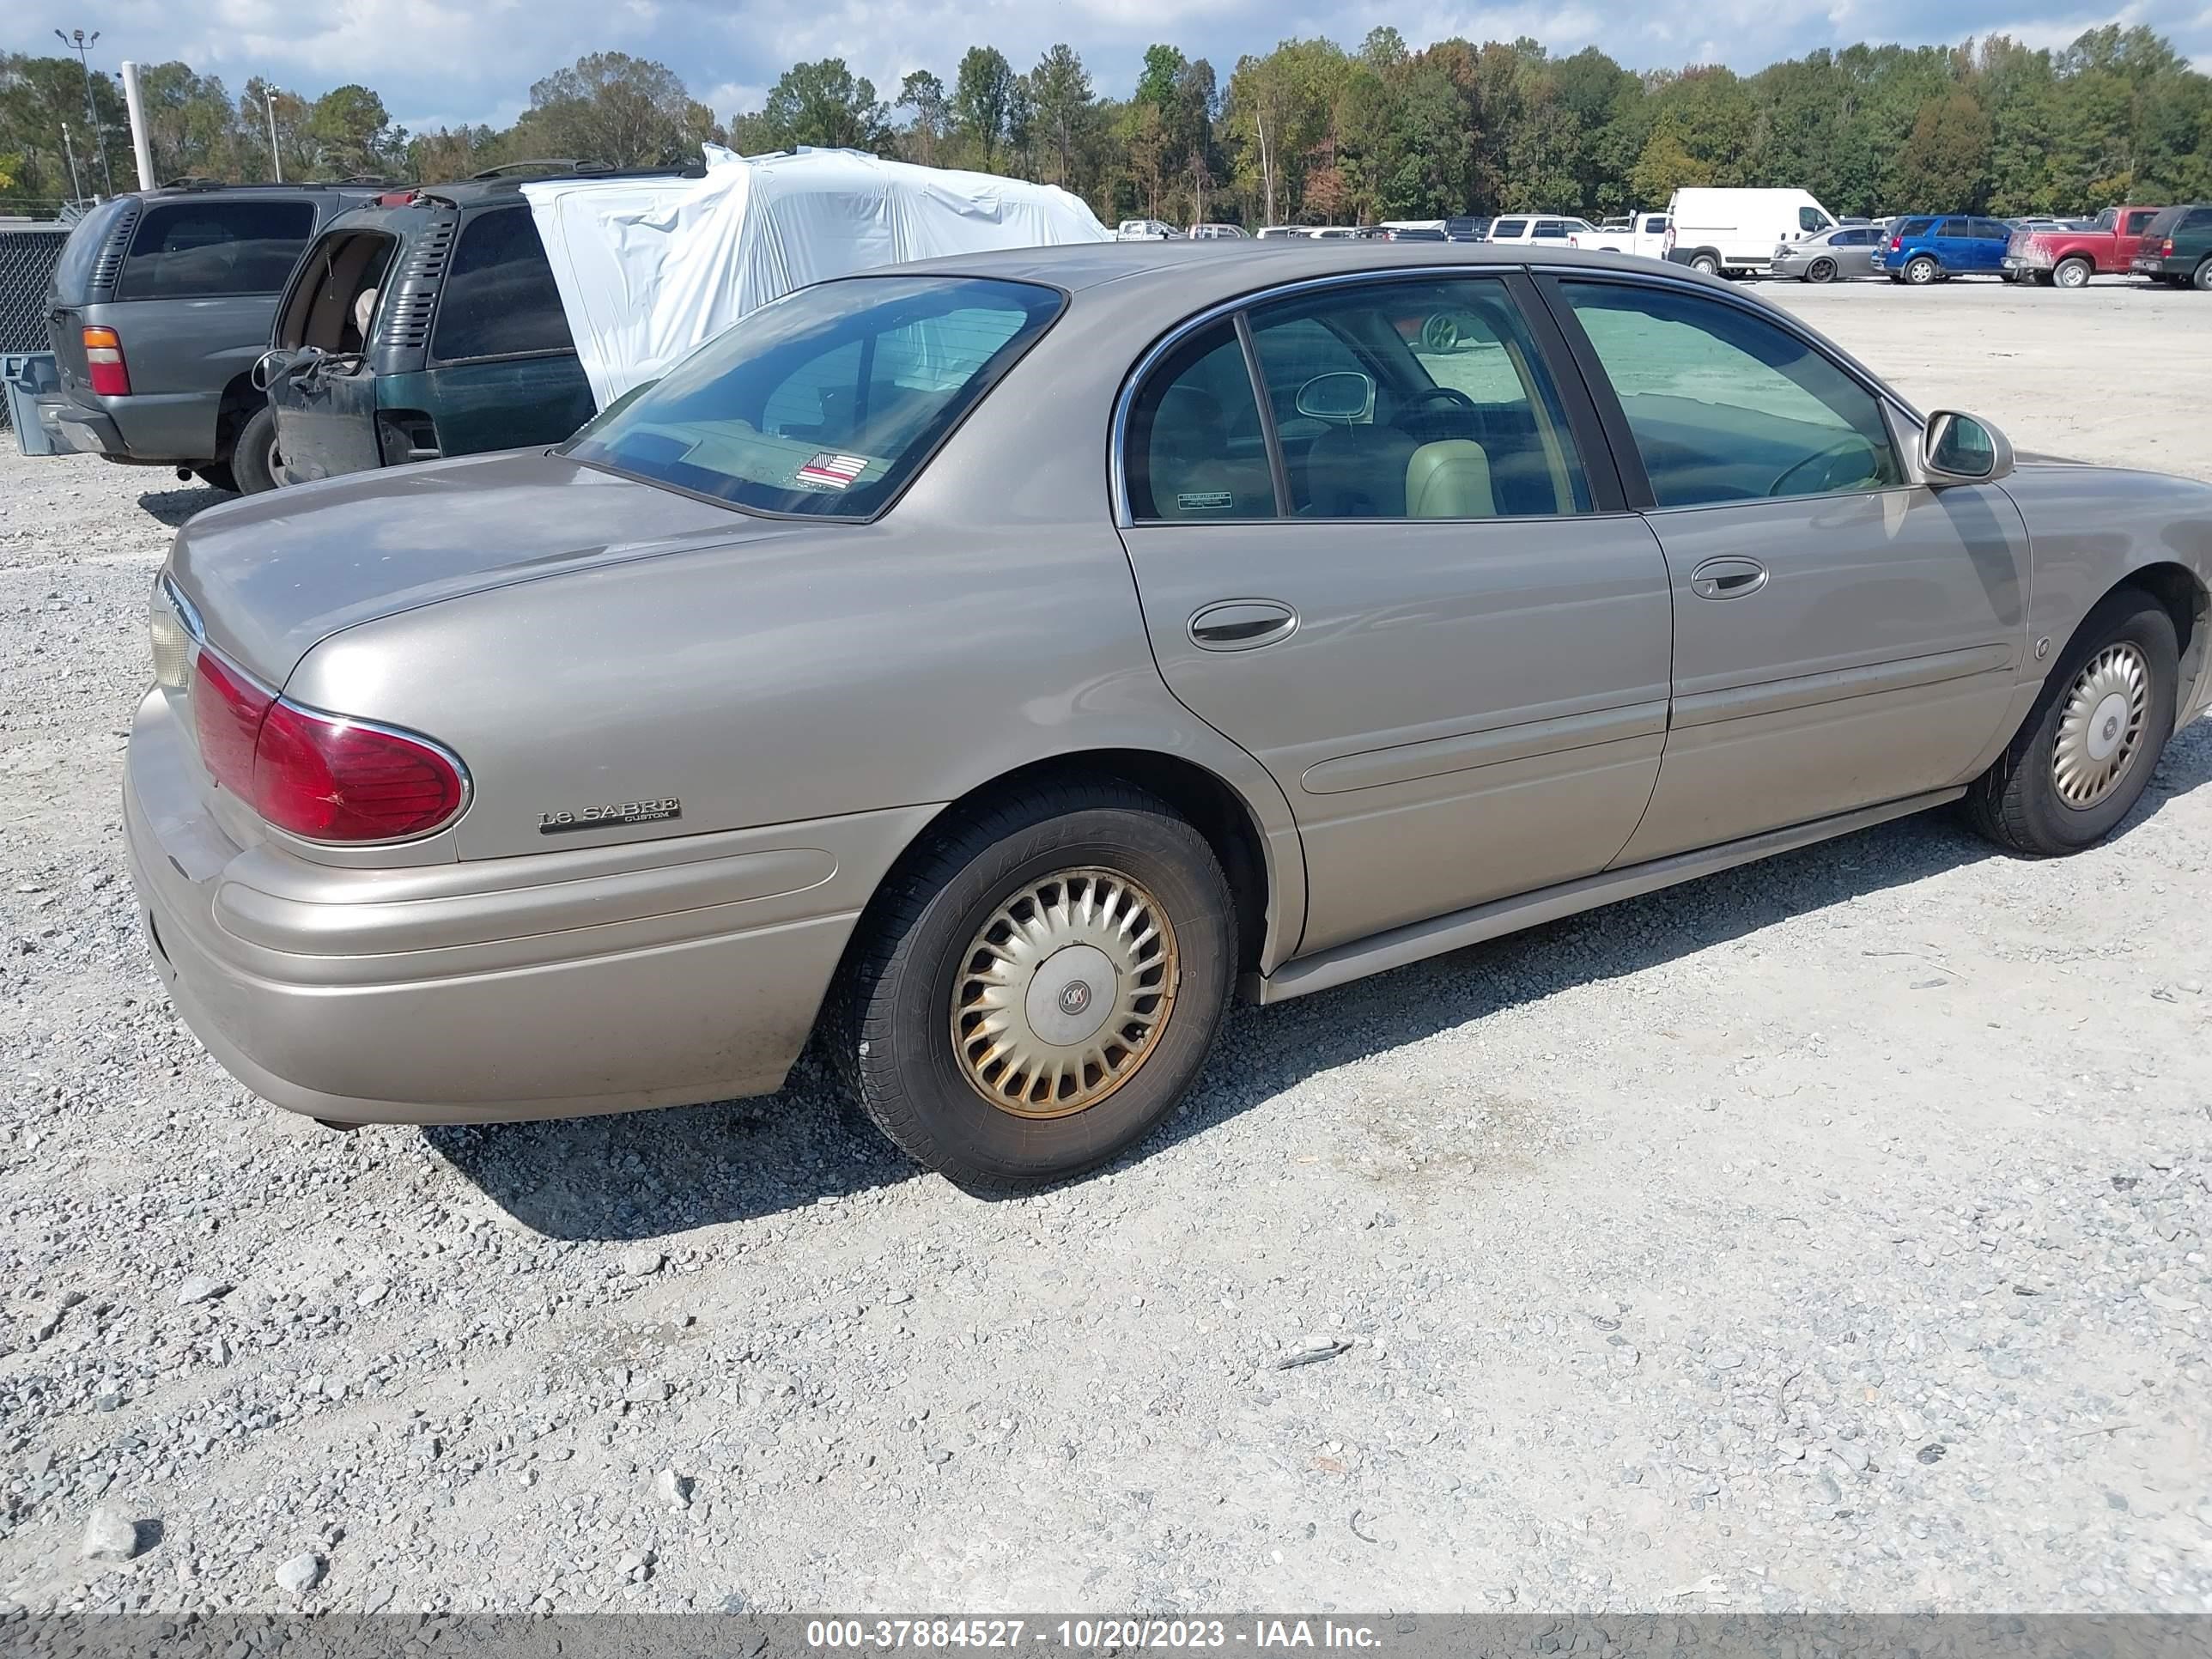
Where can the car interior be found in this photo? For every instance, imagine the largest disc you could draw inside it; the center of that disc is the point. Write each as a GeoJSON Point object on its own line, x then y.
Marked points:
{"type": "Point", "coordinates": [1367, 428]}
{"type": "Point", "coordinates": [325, 309]}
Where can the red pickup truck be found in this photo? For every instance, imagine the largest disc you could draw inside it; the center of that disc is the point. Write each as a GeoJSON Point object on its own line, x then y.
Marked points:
{"type": "Point", "coordinates": [2069, 257]}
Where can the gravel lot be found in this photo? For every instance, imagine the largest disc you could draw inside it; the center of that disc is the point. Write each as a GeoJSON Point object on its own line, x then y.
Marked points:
{"type": "Point", "coordinates": [1826, 1235]}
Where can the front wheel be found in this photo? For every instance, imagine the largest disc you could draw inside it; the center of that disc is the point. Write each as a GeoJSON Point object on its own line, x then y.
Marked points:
{"type": "Point", "coordinates": [253, 458]}
{"type": "Point", "coordinates": [1038, 987]}
{"type": "Point", "coordinates": [1922, 272]}
{"type": "Point", "coordinates": [2087, 750]}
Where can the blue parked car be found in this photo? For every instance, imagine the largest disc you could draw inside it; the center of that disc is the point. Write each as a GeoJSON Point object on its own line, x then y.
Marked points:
{"type": "Point", "coordinates": [1928, 249]}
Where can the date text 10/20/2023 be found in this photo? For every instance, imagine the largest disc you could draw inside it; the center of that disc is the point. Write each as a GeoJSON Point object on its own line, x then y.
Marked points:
{"type": "Point", "coordinates": [1085, 1635]}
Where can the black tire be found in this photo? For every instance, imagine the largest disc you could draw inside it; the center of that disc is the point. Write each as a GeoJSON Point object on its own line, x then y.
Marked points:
{"type": "Point", "coordinates": [1920, 270]}
{"type": "Point", "coordinates": [254, 457]}
{"type": "Point", "coordinates": [2017, 803]}
{"type": "Point", "coordinates": [892, 1014]}
{"type": "Point", "coordinates": [218, 476]}
{"type": "Point", "coordinates": [1820, 271]}
{"type": "Point", "coordinates": [2072, 273]}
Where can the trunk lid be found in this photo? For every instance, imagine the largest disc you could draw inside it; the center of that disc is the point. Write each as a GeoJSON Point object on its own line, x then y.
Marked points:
{"type": "Point", "coordinates": [272, 574]}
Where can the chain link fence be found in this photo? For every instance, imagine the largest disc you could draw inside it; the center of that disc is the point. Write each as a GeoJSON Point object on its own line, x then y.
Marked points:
{"type": "Point", "coordinates": [27, 256]}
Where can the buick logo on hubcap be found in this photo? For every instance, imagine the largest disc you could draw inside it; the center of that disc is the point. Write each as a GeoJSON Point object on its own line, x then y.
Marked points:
{"type": "Point", "coordinates": [1075, 998]}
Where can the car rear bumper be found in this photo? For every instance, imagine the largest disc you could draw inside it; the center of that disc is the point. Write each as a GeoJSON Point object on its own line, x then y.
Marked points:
{"type": "Point", "coordinates": [157, 429]}
{"type": "Point", "coordinates": [555, 984]}
{"type": "Point", "coordinates": [2151, 265]}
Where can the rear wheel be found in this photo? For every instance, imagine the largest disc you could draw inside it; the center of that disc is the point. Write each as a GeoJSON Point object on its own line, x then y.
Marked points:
{"type": "Point", "coordinates": [2071, 273]}
{"type": "Point", "coordinates": [1706, 263]}
{"type": "Point", "coordinates": [253, 458]}
{"type": "Point", "coordinates": [1921, 270]}
{"type": "Point", "coordinates": [1820, 271]}
{"type": "Point", "coordinates": [2088, 748]}
{"type": "Point", "coordinates": [2202, 279]}
{"type": "Point", "coordinates": [1038, 987]}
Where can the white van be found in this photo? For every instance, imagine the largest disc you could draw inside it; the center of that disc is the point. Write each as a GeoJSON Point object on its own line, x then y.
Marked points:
{"type": "Point", "coordinates": [1733, 233]}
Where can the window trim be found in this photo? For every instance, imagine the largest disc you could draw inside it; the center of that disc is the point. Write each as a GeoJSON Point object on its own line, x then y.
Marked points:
{"type": "Point", "coordinates": [1586, 431]}
{"type": "Point", "coordinates": [1904, 422]}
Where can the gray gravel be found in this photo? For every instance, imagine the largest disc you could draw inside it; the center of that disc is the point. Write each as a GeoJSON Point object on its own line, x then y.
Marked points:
{"type": "Point", "coordinates": [1829, 1234]}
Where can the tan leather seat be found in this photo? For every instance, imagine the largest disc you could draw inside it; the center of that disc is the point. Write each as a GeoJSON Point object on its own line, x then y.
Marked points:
{"type": "Point", "coordinates": [1450, 479]}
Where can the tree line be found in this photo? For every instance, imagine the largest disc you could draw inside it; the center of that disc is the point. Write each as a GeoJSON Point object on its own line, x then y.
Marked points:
{"type": "Point", "coordinates": [1307, 133]}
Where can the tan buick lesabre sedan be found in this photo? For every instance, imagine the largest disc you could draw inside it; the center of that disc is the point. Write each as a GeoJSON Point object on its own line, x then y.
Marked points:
{"type": "Point", "coordinates": [1000, 663]}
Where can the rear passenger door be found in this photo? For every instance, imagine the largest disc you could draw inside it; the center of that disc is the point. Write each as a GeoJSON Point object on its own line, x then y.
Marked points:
{"type": "Point", "coordinates": [503, 370]}
{"type": "Point", "coordinates": [1416, 599]}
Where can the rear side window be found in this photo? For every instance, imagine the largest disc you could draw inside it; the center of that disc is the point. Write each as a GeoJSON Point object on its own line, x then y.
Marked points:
{"type": "Point", "coordinates": [2197, 219]}
{"type": "Point", "coordinates": [1194, 448]}
{"type": "Point", "coordinates": [1506, 229]}
{"type": "Point", "coordinates": [826, 402]}
{"type": "Point", "coordinates": [1551, 230]}
{"type": "Point", "coordinates": [197, 250]}
{"type": "Point", "coordinates": [73, 273]}
{"type": "Point", "coordinates": [499, 299]}
{"type": "Point", "coordinates": [1914, 227]}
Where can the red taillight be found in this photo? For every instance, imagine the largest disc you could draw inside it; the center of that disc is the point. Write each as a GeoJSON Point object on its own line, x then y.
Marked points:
{"type": "Point", "coordinates": [396, 197]}
{"type": "Point", "coordinates": [228, 709]}
{"type": "Point", "coordinates": [103, 362]}
{"type": "Point", "coordinates": [321, 776]}
{"type": "Point", "coordinates": [332, 779]}
{"type": "Point", "coordinates": [1895, 243]}
{"type": "Point", "coordinates": [2166, 248]}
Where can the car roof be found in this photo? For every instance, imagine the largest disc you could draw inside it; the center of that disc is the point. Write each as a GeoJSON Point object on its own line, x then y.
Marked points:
{"type": "Point", "coordinates": [1201, 273]}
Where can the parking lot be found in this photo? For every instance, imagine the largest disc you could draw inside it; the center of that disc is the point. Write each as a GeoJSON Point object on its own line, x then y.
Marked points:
{"type": "Point", "coordinates": [1828, 1234]}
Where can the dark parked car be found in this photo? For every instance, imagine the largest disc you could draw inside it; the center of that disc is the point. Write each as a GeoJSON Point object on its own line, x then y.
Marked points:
{"type": "Point", "coordinates": [1928, 249]}
{"type": "Point", "coordinates": [160, 303]}
{"type": "Point", "coordinates": [426, 325]}
{"type": "Point", "coordinates": [1465, 227]}
{"type": "Point", "coordinates": [2177, 248]}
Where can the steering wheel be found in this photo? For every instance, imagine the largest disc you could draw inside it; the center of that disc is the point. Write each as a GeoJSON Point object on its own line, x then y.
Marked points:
{"type": "Point", "coordinates": [1451, 394]}
{"type": "Point", "coordinates": [1850, 444]}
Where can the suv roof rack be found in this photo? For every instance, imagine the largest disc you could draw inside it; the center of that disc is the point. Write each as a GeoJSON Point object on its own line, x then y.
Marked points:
{"type": "Point", "coordinates": [545, 164]}
{"type": "Point", "coordinates": [197, 181]}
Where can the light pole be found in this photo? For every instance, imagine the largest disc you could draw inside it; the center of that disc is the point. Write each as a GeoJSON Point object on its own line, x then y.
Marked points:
{"type": "Point", "coordinates": [276, 161]}
{"type": "Point", "coordinates": [82, 44]}
{"type": "Point", "coordinates": [76, 190]}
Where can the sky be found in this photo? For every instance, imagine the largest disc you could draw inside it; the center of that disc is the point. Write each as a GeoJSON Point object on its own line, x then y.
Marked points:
{"type": "Point", "coordinates": [441, 63]}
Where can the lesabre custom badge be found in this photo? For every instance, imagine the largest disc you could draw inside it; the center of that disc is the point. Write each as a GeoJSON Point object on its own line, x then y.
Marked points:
{"type": "Point", "coordinates": [605, 817]}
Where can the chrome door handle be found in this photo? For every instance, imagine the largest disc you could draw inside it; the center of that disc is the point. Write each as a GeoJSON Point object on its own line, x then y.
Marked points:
{"type": "Point", "coordinates": [1727, 579]}
{"type": "Point", "coordinates": [1241, 624]}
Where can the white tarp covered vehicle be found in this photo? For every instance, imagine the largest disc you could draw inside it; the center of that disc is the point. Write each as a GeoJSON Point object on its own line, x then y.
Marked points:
{"type": "Point", "coordinates": [650, 268]}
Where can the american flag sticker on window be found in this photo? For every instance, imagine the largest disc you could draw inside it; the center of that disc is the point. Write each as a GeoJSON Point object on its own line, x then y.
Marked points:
{"type": "Point", "coordinates": [829, 472]}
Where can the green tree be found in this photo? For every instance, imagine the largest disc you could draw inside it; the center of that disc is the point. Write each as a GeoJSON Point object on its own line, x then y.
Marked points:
{"type": "Point", "coordinates": [824, 105]}
{"type": "Point", "coordinates": [1945, 164]}
{"type": "Point", "coordinates": [1059, 94]}
{"type": "Point", "coordinates": [1156, 84]}
{"type": "Point", "coordinates": [350, 132]}
{"type": "Point", "coordinates": [627, 112]}
{"type": "Point", "coordinates": [983, 99]}
{"type": "Point", "coordinates": [929, 121]}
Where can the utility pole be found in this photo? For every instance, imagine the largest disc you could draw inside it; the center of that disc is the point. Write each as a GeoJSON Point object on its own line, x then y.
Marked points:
{"type": "Point", "coordinates": [82, 44]}
{"type": "Point", "coordinates": [76, 190]}
{"type": "Point", "coordinates": [276, 161]}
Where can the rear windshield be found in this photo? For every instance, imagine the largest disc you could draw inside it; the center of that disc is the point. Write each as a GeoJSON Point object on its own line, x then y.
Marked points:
{"type": "Point", "coordinates": [197, 250]}
{"type": "Point", "coordinates": [2162, 224]}
{"type": "Point", "coordinates": [828, 400]}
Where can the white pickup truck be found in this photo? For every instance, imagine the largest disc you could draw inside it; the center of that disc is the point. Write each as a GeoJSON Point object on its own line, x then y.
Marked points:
{"type": "Point", "coordinates": [1644, 234]}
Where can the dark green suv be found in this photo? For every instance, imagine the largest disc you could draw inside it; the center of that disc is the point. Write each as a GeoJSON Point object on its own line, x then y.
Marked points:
{"type": "Point", "coordinates": [425, 325]}
{"type": "Point", "coordinates": [2177, 247]}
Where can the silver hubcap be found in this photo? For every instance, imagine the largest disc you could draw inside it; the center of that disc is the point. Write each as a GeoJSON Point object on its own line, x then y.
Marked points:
{"type": "Point", "coordinates": [1064, 992]}
{"type": "Point", "coordinates": [2072, 275]}
{"type": "Point", "coordinates": [2101, 727]}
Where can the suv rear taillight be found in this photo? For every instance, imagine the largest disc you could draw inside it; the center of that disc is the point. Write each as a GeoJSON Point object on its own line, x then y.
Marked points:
{"type": "Point", "coordinates": [103, 360]}
{"type": "Point", "coordinates": [320, 776]}
{"type": "Point", "coordinates": [2166, 248]}
{"type": "Point", "coordinates": [1895, 243]}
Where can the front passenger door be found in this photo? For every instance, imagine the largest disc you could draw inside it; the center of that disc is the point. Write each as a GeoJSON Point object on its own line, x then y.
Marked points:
{"type": "Point", "coordinates": [1843, 636]}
